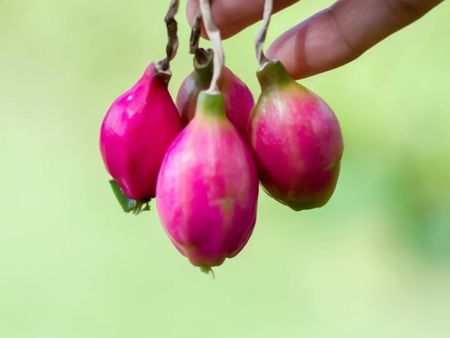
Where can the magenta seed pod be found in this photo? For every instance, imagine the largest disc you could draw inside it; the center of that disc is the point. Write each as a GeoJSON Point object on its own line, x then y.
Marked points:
{"type": "Point", "coordinates": [208, 187]}
{"type": "Point", "coordinates": [296, 141]}
{"type": "Point", "coordinates": [238, 98]}
{"type": "Point", "coordinates": [136, 132]}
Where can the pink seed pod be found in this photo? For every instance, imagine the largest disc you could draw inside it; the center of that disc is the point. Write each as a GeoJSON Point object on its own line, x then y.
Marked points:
{"type": "Point", "coordinates": [238, 98]}
{"type": "Point", "coordinates": [208, 187]}
{"type": "Point", "coordinates": [136, 132]}
{"type": "Point", "coordinates": [296, 141]}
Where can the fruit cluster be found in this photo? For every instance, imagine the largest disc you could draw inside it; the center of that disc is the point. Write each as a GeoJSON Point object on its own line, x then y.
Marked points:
{"type": "Point", "coordinates": [204, 157]}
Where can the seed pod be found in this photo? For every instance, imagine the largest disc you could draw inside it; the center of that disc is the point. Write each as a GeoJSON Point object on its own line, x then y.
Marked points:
{"type": "Point", "coordinates": [136, 132]}
{"type": "Point", "coordinates": [238, 98]}
{"type": "Point", "coordinates": [296, 141]}
{"type": "Point", "coordinates": [208, 187]}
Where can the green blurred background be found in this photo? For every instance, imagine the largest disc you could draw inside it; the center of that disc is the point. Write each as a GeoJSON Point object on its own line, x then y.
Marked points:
{"type": "Point", "coordinates": [375, 262]}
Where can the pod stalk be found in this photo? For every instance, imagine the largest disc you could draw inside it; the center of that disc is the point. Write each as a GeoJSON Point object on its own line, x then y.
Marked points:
{"type": "Point", "coordinates": [163, 66]}
{"type": "Point", "coordinates": [261, 36]}
{"type": "Point", "coordinates": [195, 34]}
{"type": "Point", "coordinates": [216, 39]}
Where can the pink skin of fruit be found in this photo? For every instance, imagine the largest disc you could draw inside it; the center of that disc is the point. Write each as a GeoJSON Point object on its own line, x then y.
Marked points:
{"type": "Point", "coordinates": [208, 187]}
{"type": "Point", "coordinates": [296, 141]}
{"type": "Point", "coordinates": [238, 98]}
{"type": "Point", "coordinates": [136, 133]}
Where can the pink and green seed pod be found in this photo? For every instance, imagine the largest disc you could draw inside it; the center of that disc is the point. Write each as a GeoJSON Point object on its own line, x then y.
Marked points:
{"type": "Point", "coordinates": [296, 141]}
{"type": "Point", "coordinates": [238, 98]}
{"type": "Point", "coordinates": [208, 187]}
{"type": "Point", "coordinates": [136, 132]}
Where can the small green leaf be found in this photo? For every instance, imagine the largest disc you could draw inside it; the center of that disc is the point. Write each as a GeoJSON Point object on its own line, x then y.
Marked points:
{"type": "Point", "coordinates": [126, 204]}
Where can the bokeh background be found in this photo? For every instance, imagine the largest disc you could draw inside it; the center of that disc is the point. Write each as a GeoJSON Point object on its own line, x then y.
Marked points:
{"type": "Point", "coordinates": [375, 262]}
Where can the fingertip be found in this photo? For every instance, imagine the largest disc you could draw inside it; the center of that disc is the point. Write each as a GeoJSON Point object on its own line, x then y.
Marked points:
{"type": "Point", "coordinates": [290, 53]}
{"type": "Point", "coordinates": [276, 47]}
{"type": "Point", "coordinates": [232, 16]}
{"type": "Point", "coordinates": [223, 21]}
{"type": "Point", "coordinates": [339, 34]}
{"type": "Point", "coordinates": [313, 46]}
{"type": "Point", "coordinates": [191, 10]}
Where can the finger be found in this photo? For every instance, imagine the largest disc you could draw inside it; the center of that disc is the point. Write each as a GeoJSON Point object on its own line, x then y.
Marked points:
{"type": "Point", "coordinates": [232, 16]}
{"type": "Point", "coordinates": [341, 33]}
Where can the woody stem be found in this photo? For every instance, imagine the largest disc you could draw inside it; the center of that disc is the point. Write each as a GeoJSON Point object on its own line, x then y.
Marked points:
{"type": "Point", "coordinates": [172, 34]}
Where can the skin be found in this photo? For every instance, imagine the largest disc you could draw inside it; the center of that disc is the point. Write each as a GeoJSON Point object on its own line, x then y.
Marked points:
{"type": "Point", "coordinates": [136, 133]}
{"type": "Point", "coordinates": [329, 39]}
{"type": "Point", "coordinates": [208, 188]}
{"type": "Point", "coordinates": [296, 141]}
{"type": "Point", "coordinates": [238, 98]}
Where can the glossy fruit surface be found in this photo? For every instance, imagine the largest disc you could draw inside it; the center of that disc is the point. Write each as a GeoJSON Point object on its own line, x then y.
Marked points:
{"type": "Point", "coordinates": [238, 98]}
{"type": "Point", "coordinates": [136, 132]}
{"type": "Point", "coordinates": [208, 187]}
{"type": "Point", "coordinates": [296, 141]}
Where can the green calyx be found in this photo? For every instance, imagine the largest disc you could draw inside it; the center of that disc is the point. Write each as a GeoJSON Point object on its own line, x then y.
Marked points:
{"type": "Point", "coordinates": [128, 205]}
{"type": "Point", "coordinates": [211, 105]}
{"type": "Point", "coordinates": [273, 74]}
{"type": "Point", "coordinates": [203, 65]}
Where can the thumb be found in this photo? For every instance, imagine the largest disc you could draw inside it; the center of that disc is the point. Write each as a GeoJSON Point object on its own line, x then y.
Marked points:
{"type": "Point", "coordinates": [341, 33]}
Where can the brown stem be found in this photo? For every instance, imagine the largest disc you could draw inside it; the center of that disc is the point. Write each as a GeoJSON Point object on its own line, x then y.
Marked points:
{"type": "Point", "coordinates": [195, 33]}
{"type": "Point", "coordinates": [202, 57]}
{"type": "Point", "coordinates": [172, 34]}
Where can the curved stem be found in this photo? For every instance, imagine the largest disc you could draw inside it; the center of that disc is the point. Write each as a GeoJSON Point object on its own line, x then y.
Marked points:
{"type": "Point", "coordinates": [172, 34]}
{"type": "Point", "coordinates": [195, 33]}
{"type": "Point", "coordinates": [214, 35]}
{"type": "Point", "coordinates": [261, 37]}
{"type": "Point", "coordinates": [202, 56]}
{"type": "Point", "coordinates": [208, 270]}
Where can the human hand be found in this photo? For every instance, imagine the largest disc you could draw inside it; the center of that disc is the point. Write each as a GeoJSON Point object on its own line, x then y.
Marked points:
{"type": "Point", "coordinates": [330, 38]}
